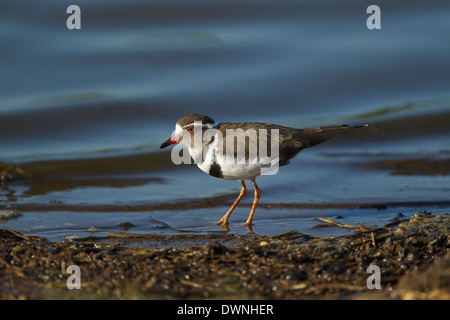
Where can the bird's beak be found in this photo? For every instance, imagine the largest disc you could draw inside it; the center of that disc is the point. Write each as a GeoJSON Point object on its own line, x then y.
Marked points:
{"type": "Point", "coordinates": [174, 139]}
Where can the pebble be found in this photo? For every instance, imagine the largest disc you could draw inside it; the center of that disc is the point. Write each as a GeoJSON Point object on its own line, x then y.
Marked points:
{"type": "Point", "coordinates": [6, 214]}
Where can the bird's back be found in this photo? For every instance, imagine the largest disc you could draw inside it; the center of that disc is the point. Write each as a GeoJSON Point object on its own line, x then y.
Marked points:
{"type": "Point", "coordinates": [290, 140]}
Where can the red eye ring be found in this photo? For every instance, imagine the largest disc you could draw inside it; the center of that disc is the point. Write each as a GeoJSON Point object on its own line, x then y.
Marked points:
{"type": "Point", "coordinates": [190, 129]}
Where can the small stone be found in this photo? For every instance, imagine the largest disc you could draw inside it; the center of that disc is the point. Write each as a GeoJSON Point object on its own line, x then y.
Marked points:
{"type": "Point", "coordinates": [7, 214]}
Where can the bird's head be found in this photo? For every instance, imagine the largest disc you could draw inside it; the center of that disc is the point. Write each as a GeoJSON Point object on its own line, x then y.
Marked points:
{"type": "Point", "coordinates": [185, 127]}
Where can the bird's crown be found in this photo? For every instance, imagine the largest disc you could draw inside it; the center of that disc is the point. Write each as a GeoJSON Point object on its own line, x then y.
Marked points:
{"type": "Point", "coordinates": [191, 118]}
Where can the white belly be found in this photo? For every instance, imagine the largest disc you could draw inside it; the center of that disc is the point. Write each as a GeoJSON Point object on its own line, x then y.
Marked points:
{"type": "Point", "coordinates": [234, 168]}
{"type": "Point", "coordinates": [235, 171]}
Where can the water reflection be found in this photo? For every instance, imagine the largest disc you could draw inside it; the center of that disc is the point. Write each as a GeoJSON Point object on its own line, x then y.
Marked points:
{"type": "Point", "coordinates": [85, 111]}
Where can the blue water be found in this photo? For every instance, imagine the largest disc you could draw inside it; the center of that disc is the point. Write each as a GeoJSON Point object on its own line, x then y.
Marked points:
{"type": "Point", "coordinates": [113, 91]}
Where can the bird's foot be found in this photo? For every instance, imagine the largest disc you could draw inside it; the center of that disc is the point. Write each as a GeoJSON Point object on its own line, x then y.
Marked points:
{"type": "Point", "coordinates": [222, 221]}
{"type": "Point", "coordinates": [223, 224]}
{"type": "Point", "coordinates": [249, 226]}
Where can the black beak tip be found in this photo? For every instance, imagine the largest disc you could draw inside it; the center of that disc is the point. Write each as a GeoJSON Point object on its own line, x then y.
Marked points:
{"type": "Point", "coordinates": [164, 144]}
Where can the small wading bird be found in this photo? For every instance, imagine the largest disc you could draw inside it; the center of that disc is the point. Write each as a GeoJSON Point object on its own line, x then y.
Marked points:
{"type": "Point", "coordinates": [289, 142]}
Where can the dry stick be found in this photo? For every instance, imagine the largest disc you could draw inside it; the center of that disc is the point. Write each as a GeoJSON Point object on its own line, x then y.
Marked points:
{"type": "Point", "coordinates": [16, 233]}
{"type": "Point", "coordinates": [13, 269]}
{"type": "Point", "coordinates": [360, 227]}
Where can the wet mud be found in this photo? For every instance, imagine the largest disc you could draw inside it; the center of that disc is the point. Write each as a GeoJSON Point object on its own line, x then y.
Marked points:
{"type": "Point", "coordinates": [415, 167]}
{"type": "Point", "coordinates": [412, 255]}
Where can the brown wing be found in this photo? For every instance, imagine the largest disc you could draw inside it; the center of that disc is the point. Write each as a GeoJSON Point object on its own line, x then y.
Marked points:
{"type": "Point", "coordinates": [291, 140]}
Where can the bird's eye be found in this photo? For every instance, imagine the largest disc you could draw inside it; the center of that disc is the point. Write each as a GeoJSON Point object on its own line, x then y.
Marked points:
{"type": "Point", "coordinates": [190, 130]}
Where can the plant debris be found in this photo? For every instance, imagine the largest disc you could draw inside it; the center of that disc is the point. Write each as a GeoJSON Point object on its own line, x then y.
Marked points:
{"type": "Point", "coordinates": [412, 255]}
{"type": "Point", "coordinates": [9, 172]}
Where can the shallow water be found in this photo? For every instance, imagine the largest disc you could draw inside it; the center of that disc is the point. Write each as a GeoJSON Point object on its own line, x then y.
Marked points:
{"type": "Point", "coordinates": [84, 111]}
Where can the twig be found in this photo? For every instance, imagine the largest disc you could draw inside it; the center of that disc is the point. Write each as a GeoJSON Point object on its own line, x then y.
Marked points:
{"type": "Point", "coordinates": [373, 240]}
{"type": "Point", "coordinates": [13, 269]}
{"type": "Point", "coordinates": [360, 227]}
{"type": "Point", "coordinates": [16, 233]}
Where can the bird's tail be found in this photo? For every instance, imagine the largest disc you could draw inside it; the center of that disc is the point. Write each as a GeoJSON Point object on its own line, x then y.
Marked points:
{"type": "Point", "coordinates": [317, 135]}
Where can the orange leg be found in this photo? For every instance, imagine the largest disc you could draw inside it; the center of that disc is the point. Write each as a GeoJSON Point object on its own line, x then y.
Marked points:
{"type": "Point", "coordinates": [224, 220]}
{"type": "Point", "coordinates": [255, 203]}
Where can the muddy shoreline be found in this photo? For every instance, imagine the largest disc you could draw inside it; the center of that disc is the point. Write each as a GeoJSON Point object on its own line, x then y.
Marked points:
{"type": "Point", "coordinates": [412, 254]}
